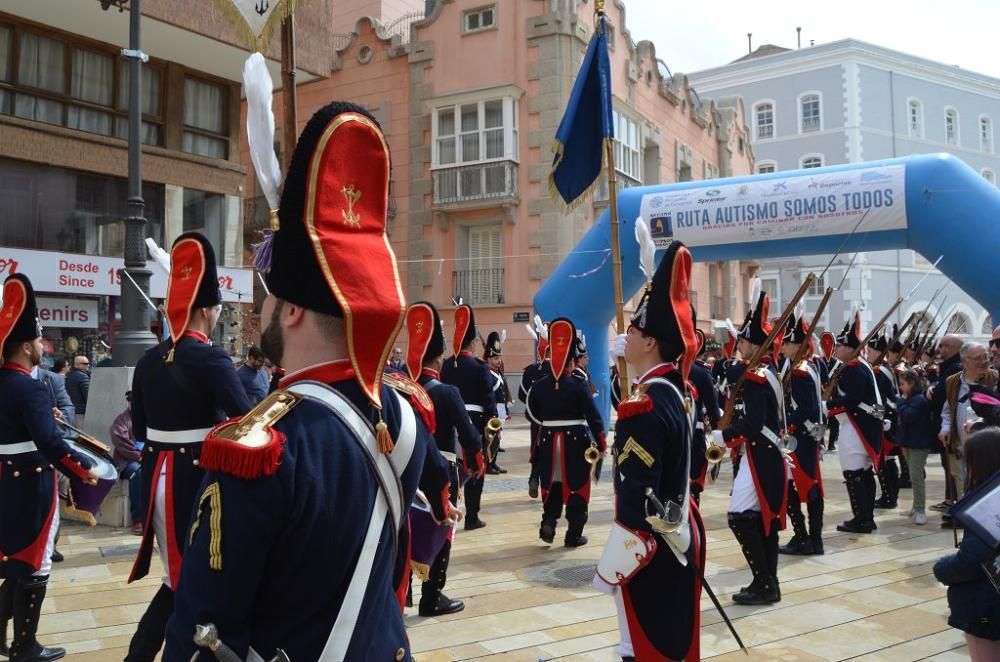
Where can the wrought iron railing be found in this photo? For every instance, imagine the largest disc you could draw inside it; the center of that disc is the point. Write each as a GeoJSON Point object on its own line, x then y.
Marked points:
{"type": "Point", "coordinates": [470, 183]}
{"type": "Point", "coordinates": [478, 286]}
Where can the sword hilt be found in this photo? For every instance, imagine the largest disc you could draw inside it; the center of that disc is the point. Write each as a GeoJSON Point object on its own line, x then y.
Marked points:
{"type": "Point", "coordinates": [207, 636]}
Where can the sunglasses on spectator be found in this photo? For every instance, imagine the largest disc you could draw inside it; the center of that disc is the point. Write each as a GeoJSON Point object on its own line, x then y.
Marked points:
{"type": "Point", "coordinates": [995, 342]}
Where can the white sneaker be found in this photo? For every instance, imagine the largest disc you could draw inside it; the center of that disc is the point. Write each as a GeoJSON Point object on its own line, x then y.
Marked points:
{"type": "Point", "coordinates": [919, 517]}
{"type": "Point", "coordinates": [908, 513]}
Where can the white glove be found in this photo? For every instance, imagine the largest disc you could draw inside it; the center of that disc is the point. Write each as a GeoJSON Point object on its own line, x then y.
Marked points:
{"type": "Point", "coordinates": [718, 439]}
{"type": "Point", "coordinates": [619, 348]}
{"type": "Point", "coordinates": [886, 424]}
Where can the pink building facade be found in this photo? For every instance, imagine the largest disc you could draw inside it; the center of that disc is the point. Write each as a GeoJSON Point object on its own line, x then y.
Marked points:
{"type": "Point", "coordinates": [470, 97]}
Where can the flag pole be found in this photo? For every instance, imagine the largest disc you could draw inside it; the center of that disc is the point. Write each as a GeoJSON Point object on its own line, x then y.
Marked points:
{"type": "Point", "coordinates": [616, 249]}
{"type": "Point", "coordinates": [616, 261]}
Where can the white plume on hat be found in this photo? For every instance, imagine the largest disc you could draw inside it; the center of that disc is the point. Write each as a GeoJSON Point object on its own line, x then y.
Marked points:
{"type": "Point", "coordinates": [158, 255]}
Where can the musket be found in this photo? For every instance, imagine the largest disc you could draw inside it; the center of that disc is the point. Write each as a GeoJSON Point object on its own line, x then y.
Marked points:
{"type": "Point", "coordinates": [931, 339]}
{"type": "Point", "coordinates": [662, 512]}
{"type": "Point", "coordinates": [779, 327]}
{"type": "Point", "coordinates": [804, 347]}
{"type": "Point", "coordinates": [839, 370]}
{"type": "Point", "coordinates": [895, 339]}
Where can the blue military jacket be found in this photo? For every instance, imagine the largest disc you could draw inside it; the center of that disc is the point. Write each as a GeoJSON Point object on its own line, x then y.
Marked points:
{"type": "Point", "coordinates": [856, 394]}
{"type": "Point", "coordinates": [197, 391]}
{"type": "Point", "coordinates": [452, 420]}
{"type": "Point", "coordinates": [31, 446]}
{"type": "Point", "coordinates": [270, 558]}
{"type": "Point", "coordinates": [475, 382]}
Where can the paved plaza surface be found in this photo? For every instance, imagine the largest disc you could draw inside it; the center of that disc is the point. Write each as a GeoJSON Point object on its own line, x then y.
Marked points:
{"type": "Point", "coordinates": [870, 597]}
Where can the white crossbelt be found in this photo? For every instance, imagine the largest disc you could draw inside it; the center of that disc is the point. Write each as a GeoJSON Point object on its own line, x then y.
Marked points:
{"type": "Point", "coordinates": [563, 424]}
{"type": "Point", "coordinates": [193, 436]}
{"type": "Point", "coordinates": [475, 408]}
{"type": "Point", "coordinates": [389, 502]}
{"type": "Point", "coordinates": [449, 457]}
{"type": "Point", "coordinates": [18, 448]}
{"type": "Point", "coordinates": [768, 434]}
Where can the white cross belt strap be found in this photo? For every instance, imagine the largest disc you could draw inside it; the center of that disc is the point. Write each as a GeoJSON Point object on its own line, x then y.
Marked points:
{"type": "Point", "coordinates": [389, 469]}
{"type": "Point", "coordinates": [193, 436]}
{"type": "Point", "coordinates": [19, 448]}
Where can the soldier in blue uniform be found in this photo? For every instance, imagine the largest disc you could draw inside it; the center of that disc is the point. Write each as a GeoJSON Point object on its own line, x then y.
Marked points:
{"type": "Point", "coordinates": [885, 377]}
{"type": "Point", "coordinates": [493, 355]}
{"type": "Point", "coordinates": [706, 413]}
{"type": "Point", "coordinates": [580, 363]}
{"type": "Point", "coordinates": [894, 359]}
{"type": "Point", "coordinates": [180, 390]}
{"type": "Point", "coordinates": [653, 565]}
{"type": "Point", "coordinates": [570, 424]}
{"type": "Point", "coordinates": [32, 449]}
{"type": "Point", "coordinates": [760, 487]}
{"type": "Point", "coordinates": [529, 377]}
{"type": "Point", "coordinates": [803, 420]}
{"type": "Point", "coordinates": [857, 405]}
{"type": "Point", "coordinates": [301, 516]}
{"type": "Point", "coordinates": [472, 376]}
{"type": "Point", "coordinates": [457, 439]}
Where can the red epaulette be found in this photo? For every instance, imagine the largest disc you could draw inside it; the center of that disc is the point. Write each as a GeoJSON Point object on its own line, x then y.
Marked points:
{"type": "Point", "coordinates": [415, 393]}
{"type": "Point", "coordinates": [692, 389]}
{"type": "Point", "coordinates": [248, 446]}
{"type": "Point", "coordinates": [636, 404]}
{"type": "Point", "coordinates": [757, 376]}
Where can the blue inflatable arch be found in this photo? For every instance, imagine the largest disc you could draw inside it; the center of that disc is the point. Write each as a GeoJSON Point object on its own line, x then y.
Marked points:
{"type": "Point", "coordinates": [933, 204]}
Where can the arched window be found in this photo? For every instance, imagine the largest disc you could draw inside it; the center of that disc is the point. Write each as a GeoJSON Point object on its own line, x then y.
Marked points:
{"type": "Point", "coordinates": [960, 324]}
{"type": "Point", "coordinates": [915, 118]}
{"type": "Point", "coordinates": [986, 134]}
{"type": "Point", "coordinates": [951, 126]}
{"type": "Point", "coordinates": [764, 167]}
{"type": "Point", "coordinates": [809, 113]}
{"type": "Point", "coordinates": [811, 161]}
{"type": "Point", "coordinates": [989, 176]}
{"type": "Point", "coordinates": [764, 119]}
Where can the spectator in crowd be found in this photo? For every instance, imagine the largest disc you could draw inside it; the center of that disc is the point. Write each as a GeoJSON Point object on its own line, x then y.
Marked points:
{"type": "Point", "coordinates": [61, 367]}
{"type": "Point", "coordinates": [957, 410]}
{"type": "Point", "coordinates": [915, 435]}
{"type": "Point", "coordinates": [253, 375]}
{"type": "Point", "coordinates": [397, 359]}
{"type": "Point", "coordinates": [950, 363]}
{"type": "Point", "coordinates": [78, 387]}
{"type": "Point", "coordinates": [995, 348]}
{"type": "Point", "coordinates": [127, 455]}
{"type": "Point", "coordinates": [972, 600]}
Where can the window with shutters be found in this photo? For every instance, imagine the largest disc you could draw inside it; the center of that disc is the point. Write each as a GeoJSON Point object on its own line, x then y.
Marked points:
{"type": "Point", "coordinates": [810, 117]}
{"type": "Point", "coordinates": [764, 118]}
{"type": "Point", "coordinates": [482, 279]}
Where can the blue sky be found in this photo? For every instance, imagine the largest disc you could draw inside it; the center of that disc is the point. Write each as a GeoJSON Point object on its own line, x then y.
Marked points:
{"type": "Point", "coordinates": [693, 36]}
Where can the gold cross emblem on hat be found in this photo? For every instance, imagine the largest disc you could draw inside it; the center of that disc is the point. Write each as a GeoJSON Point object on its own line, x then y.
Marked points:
{"type": "Point", "coordinates": [352, 195]}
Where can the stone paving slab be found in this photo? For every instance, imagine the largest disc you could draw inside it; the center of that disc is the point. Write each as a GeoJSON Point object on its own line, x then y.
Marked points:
{"type": "Point", "coordinates": [870, 597]}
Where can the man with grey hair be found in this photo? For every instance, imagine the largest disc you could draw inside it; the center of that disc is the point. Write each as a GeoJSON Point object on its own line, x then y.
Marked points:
{"type": "Point", "coordinates": [949, 364]}
{"type": "Point", "coordinates": [957, 410]}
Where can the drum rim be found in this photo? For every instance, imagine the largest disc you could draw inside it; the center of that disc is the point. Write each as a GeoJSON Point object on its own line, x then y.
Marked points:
{"type": "Point", "coordinates": [105, 466]}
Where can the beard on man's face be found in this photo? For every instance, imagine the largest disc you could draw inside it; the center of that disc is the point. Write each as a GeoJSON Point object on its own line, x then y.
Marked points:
{"type": "Point", "coordinates": [272, 340]}
{"type": "Point", "coordinates": [37, 351]}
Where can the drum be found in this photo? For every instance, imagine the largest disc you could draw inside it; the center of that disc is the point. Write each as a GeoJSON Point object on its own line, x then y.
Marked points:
{"type": "Point", "coordinates": [427, 537]}
{"type": "Point", "coordinates": [84, 501]}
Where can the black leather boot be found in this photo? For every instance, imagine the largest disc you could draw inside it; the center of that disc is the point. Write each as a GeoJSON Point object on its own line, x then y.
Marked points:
{"type": "Point", "coordinates": [748, 529]}
{"type": "Point", "coordinates": [816, 524]}
{"type": "Point", "coordinates": [152, 628]}
{"type": "Point", "coordinates": [473, 497]}
{"type": "Point", "coordinates": [888, 480]}
{"type": "Point", "coordinates": [576, 515]}
{"type": "Point", "coordinates": [869, 520]}
{"type": "Point", "coordinates": [432, 601]}
{"type": "Point", "coordinates": [858, 492]}
{"type": "Point", "coordinates": [771, 551]}
{"type": "Point", "coordinates": [800, 544]}
{"type": "Point", "coordinates": [6, 610]}
{"type": "Point", "coordinates": [28, 597]}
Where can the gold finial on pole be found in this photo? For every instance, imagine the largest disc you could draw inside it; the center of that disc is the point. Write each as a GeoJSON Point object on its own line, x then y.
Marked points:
{"type": "Point", "coordinates": [599, 6]}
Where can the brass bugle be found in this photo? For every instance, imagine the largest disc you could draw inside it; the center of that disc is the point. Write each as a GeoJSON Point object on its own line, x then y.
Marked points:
{"type": "Point", "coordinates": [493, 427]}
{"type": "Point", "coordinates": [592, 454]}
{"type": "Point", "coordinates": [714, 454]}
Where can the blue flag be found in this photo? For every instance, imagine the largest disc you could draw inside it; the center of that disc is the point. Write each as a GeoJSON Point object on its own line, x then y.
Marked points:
{"type": "Point", "coordinates": [586, 124]}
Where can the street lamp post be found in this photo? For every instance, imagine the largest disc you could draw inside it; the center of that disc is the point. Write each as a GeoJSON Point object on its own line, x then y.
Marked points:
{"type": "Point", "coordinates": [134, 338]}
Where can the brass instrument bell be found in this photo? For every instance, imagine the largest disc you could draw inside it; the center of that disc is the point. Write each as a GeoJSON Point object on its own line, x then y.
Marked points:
{"type": "Point", "coordinates": [493, 427]}
{"type": "Point", "coordinates": [592, 454]}
{"type": "Point", "coordinates": [714, 454]}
